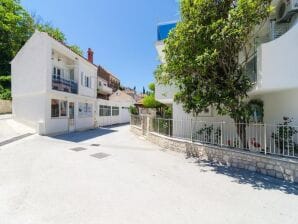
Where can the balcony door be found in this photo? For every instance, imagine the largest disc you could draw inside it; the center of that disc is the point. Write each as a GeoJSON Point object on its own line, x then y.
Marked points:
{"type": "Point", "coordinates": [71, 117]}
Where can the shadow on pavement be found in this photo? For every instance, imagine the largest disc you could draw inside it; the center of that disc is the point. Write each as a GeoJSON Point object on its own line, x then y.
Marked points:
{"type": "Point", "coordinates": [85, 135]}
{"type": "Point", "coordinates": [256, 180]}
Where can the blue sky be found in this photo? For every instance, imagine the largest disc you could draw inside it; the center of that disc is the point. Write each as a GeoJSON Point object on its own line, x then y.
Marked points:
{"type": "Point", "coordinates": [122, 33]}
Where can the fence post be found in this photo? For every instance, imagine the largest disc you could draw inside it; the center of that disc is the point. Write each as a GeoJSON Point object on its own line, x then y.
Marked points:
{"type": "Point", "coordinates": [148, 124]}
{"type": "Point", "coordinates": [221, 133]}
{"type": "Point", "coordinates": [265, 139]}
{"type": "Point", "coordinates": [191, 130]}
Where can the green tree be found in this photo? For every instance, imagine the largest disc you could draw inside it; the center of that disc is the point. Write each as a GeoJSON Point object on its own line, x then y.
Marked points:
{"type": "Point", "coordinates": [54, 32]}
{"type": "Point", "coordinates": [202, 55]}
{"type": "Point", "coordinates": [149, 100]}
{"type": "Point", "coordinates": [16, 26]}
{"type": "Point", "coordinates": [76, 49]}
{"type": "Point", "coordinates": [151, 87]}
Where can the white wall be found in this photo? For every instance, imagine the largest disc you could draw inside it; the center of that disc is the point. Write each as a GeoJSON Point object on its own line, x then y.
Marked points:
{"type": "Point", "coordinates": [29, 109]}
{"type": "Point", "coordinates": [165, 93]}
{"type": "Point", "coordinates": [277, 63]}
{"type": "Point", "coordinates": [29, 69]}
{"type": "Point", "coordinates": [182, 120]}
{"type": "Point", "coordinates": [91, 71]}
{"type": "Point", "coordinates": [124, 116]}
{"type": "Point", "coordinates": [61, 124]}
{"type": "Point", "coordinates": [280, 104]}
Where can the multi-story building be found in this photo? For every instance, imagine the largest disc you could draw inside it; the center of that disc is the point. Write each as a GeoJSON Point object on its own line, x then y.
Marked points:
{"type": "Point", "coordinates": [111, 81]}
{"type": "Point", "coordinates": [271, 66]}
{"type": "Point", "coordinates": [54, 90]}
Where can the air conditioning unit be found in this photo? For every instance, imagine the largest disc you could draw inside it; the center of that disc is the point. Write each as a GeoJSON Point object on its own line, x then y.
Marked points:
{"type": "Point", "coordinates": [285, 10]}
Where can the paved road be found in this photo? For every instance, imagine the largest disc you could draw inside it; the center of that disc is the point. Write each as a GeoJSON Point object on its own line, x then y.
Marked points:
{"type": "Point", "coordinates": [128, 180]}
{"type": "Point", "coordinates": [10, 129]}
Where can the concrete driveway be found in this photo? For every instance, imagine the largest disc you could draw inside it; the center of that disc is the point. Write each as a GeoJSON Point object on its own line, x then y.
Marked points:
{"type": "Point", "coordinates": [111, 176]}
{"type": "Point", "coordinates": [10, 129]}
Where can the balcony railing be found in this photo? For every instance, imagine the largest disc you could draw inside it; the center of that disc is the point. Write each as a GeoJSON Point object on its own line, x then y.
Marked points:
{"type": "Point", "coordinates": [64, 85]}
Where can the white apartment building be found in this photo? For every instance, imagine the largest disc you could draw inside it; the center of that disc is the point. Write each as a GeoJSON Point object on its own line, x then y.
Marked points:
{"type": "Point", "coordinates": [54, 90]}
{"type": "Point", "coordinates": [272, 67]}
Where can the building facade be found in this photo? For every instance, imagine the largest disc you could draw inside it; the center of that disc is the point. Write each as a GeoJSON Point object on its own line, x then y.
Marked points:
{"type": "Point", "coordinates": [271, 67]}
{"type": "Point", "coordinates": [112, 81]}
{"type": "Point", "coordinates": [54, 90]}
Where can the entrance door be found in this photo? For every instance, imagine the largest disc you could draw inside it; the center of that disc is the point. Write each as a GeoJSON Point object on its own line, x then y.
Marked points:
{"type": "Point", "coordinates": [71, 115]}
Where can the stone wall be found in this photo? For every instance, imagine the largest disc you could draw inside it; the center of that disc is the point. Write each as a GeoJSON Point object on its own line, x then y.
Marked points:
{"type": "Point", "coordinates": [137, 130]}
{"type": "Point", "coordinates": [283, 168]}
{"type": "Point", "coordinates": [5, 107]}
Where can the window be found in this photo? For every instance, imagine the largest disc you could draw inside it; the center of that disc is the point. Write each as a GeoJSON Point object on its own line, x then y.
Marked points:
{"type": "Point", "coordinates": [85, 109]}
{"type": "Point", "coordinates": [86, 81]}
{"type": "Point", "coordinates": [115, 111]}
{"type": "Point", "coordinates": [63, 108]}
{"type": "Point", "coordinates": [58, 71]}
{"type": "Point", "coordinates": [55, 108]}
{"type": "Point", "coordinates": [58, 108]}
{"type": "Point", "coordinates": [104, 111]}
{"type": "Point", "coordinates": [71, 74]}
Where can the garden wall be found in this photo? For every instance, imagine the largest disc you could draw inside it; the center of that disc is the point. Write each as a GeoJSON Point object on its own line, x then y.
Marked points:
{"type": "Point", "coordinates": [5, 107]}
{"type": "Point", "coordinates": [282, 168]}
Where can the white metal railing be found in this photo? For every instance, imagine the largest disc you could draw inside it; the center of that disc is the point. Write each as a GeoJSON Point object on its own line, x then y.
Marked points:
{"type": "Point", "coordinates": [274, 139]}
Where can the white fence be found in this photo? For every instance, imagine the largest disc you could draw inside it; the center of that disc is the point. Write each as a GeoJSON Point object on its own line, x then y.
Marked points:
{"type": "Point", "coordinates": [281, 140]}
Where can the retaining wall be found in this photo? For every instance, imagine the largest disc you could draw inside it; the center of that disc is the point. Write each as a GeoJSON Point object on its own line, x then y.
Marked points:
{"type": "Point", "coordinates": [5, 106]}
{"type": "Point", "coordinates": [282, 168]}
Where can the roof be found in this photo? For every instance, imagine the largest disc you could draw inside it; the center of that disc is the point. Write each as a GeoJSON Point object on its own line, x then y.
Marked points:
{"type": "Point", "coordinates": [164, 29]}
{"type": "Point", "coordinates": [105, 70]}
{"type": "Point", "coordinates": [140, 102]}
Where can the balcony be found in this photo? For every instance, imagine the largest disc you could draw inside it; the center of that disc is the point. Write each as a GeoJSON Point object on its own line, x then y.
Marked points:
{"type": "Point", "coordinates": [64, 85]}
{"type": "Point", "coordinates": [105, 90]}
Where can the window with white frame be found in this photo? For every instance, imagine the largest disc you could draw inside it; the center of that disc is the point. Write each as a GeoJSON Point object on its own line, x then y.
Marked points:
{"type": "Point", "coordinates": [115, 111]}
{"type": "Point", "coordinates": [58, 72]}
{"type": "Point", "coordinates": [55, 108]}
{"type": "Point", "coordinates": [86, 80]}
{"type": "Point", "coordinates": [104, 110]}
{"type": "Point", "coordinates": [63, 108]}
{"type": "Point", "coordinates": [58, 108]}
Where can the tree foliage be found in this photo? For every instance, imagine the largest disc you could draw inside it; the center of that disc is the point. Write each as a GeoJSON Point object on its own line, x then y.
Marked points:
{"type": "Point", "coordinates": [54, 32]}
{"type": "Point", "coordinates": [149, 100]}
{"type": "Point", "coordinates": [151, 87]}
{"type": "Point", "coordinates": [16, 26]}
{"type": "Point", "coordinates": [76, 49]}
{"type": "Point", "coordinates": [202, 54]}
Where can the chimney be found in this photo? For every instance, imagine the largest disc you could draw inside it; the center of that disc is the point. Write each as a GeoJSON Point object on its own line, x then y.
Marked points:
{"type": "Point", "coordinates": [90, 55]}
